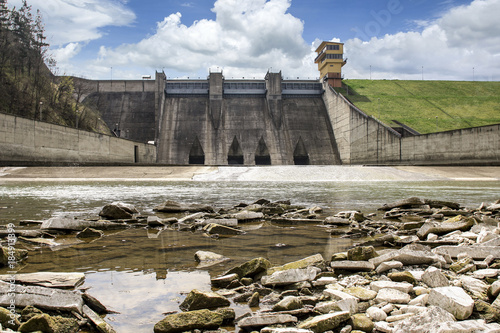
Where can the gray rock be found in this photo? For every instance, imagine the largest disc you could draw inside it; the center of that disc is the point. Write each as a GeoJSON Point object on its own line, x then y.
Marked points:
{"type": "Point", "coordinates": [60, 223]}
{"type": "Point", "coordinates": [117, 211]}
{"type": "Point", "coordinates": [155, 221]}
{"type": "Point", "coordinates": [474, 286]}
{"type": "Point", "coordinates": [326, 307]}
{"type": "Point", "coordinates": [284, 330]}
{"type": "Point", "coordinates": [392, 296]}
{"type": "Point", "coordinates": [226, 222]}
{"type": "Point", "coordinates": [361, 253]}
{"type": "Point", "coordinates": [433, 277]}
{"type": "Point", "coordinates": [343, 301]}
{"type": "Point", "coordinates": [409, 256]}
{"type": "Point", "coordinates": [425, 321]}
{"type": "Point", "coordinates": [290, 276]}
{"type": "Point", "coordinates": [440, 228]}
{"type": "Point", "coordinates": [326, 322]}
{"type": "Point", "coordinates": [316, 259]}
{"type": "Point", "coordinates": [387, 266]}
{"type": "Point", "coordinates": [224, 281]}
{"type": "Point", "coordinates": [467, 326]}
{"type": "Point", "coordinates": [494, 289]}
{"type": "Point", "coordinates": [207, 258]}
{"type": "Point", "coordinates": [251, 268]}
{"type": "Point", "coordinates": [197, 300]}
{"type": "Point", "coordinates": [287, 304]}
{"type": "Point", "coordinates": [48, 279]}
{"type": "Point", "coordinates": [376, 313]}
{"type": "Point", "coordinates": [41, 297]}
{"type": "Point", "coordinates": [452, 299]}
{"type": "Point", "coordinates": [248, 215]}
{"type": "Point", "coordinates": [355, 266]}
{"type": "Point", "coordinates": [261, 320]}
{"type": "Point", "coordinates": [401, 286]}
{"type": "Point", "coordinates": [187, 321]}
{"type": "Point", "coordinates": [477, 253]}
{"type": "Point", "coordinates": [99, 323]}
{"type": "Point", "coordinates": [89, 233]}
{"type": "Point", "coordinates": [176, 207]}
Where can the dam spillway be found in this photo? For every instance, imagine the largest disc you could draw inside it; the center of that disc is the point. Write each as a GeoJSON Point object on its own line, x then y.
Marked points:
{"type": "Point", "coordinates": [245, 122]}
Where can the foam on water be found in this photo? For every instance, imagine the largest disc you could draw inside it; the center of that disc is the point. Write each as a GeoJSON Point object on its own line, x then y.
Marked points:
{"type": "Point", "coordinates": [313, 173]}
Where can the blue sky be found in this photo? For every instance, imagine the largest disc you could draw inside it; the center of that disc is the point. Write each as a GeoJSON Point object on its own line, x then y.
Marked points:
{"type": "Point", "coordinates": [384, 39]}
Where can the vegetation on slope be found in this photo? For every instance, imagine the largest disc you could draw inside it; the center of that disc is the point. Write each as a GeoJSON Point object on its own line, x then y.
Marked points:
{"type": "Point", "coordinates": [427, 106]}
{"type": "Point", "coordinates": [27, 86]}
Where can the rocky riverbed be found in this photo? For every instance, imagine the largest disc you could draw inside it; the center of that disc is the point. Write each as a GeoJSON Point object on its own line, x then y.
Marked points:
{"type": "Point", "coordinates": [420, 266]}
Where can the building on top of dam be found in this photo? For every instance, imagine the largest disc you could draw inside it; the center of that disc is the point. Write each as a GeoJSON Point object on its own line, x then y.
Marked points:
{"type": "Point", "coordinates": [330, 60]}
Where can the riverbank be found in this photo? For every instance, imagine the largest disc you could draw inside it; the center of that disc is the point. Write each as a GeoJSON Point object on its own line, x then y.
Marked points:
{"type": "Point", "coordinates": [271, 173]}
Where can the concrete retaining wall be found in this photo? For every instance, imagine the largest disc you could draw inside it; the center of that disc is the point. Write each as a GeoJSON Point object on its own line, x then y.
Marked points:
{"type": "Point", "coordinates": [361, 139]}
{"type": "Point", "coordinates": [29, 142]}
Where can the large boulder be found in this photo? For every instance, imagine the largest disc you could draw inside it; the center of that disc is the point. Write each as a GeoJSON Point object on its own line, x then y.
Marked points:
{"type": "Point", "coordinates": [187, 321]}
{"type": "Point", "coordinates": [439, 228]}
{"type": "Point", "coordinates": [117, 211]}
{"type": "Point", "coordinates": [259, 320]}
{"type": "Point", "coordinates": [410, 255]}
{"type": "Point", "coordinates": [425, 321]}
{"type": "Point", "coordinates": [197, 300]}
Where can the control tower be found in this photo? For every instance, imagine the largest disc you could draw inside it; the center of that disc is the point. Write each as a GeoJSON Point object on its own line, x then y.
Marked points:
{"type": "Point", "coordinates": [330, 60]}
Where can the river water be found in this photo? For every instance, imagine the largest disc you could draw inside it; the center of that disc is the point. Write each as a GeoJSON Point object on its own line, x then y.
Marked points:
{"type": "Point", "coordinates": [143, 273]}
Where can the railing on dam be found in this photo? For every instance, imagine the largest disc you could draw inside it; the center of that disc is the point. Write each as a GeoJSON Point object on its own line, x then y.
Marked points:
{"type": "Point", "coordinates": [294, 88]}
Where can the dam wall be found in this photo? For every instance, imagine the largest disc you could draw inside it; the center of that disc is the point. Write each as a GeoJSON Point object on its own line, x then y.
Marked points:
{"type": "Point", "coordinates": [30, 142]}
{"type": "Point", "coordinates": [245, 122]}
{"type": "Point", "coordinates": [362, 139]}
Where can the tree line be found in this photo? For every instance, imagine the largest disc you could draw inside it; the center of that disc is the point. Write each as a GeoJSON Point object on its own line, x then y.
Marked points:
{"type": "Point", "coordinates": [28, 87]}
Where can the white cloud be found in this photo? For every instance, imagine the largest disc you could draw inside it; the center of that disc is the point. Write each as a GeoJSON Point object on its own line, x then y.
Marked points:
{"type": "Point", "coordinates": [246, 38]}
{"type": "Point", "coordinates": [447, 48]}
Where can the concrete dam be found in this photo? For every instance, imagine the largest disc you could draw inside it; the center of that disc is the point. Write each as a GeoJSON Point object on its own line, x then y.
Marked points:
{"type": "Point", "coordinates": [220, 121]}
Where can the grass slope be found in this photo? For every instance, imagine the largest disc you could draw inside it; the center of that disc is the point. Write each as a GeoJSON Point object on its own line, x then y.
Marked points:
{"type": "Point", "coordinates": [456, 104]}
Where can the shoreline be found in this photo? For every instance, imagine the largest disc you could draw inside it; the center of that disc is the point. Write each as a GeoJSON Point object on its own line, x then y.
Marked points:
{"type": "Point", "coordinates": [250, 173]}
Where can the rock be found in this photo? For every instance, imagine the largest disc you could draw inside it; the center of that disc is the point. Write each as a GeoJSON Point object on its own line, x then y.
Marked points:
{"type": "Point", "coordinates": [98, 322]}
{"type": "Point", "coordinates": [401, 286]}
{"type": "Point", "coordinates": [405, 203]}
{"type": "Point", "coordinates": [225, 280]}
{"type": "Point", "coordinates": [477, 253]}
{"type": "Point", "coordinates": [48, 279]}
{"type": "Point", "coordinates": [68, 224]}
{"type": "Point", "coordinates": [468, 326]}
{"type": "Point", "coordinates": [187, 321]}
{"type": "Point", "coordinates": [118, 211]}
{"type": "Point", "coordinates": [402, 277]}
{"type": "Point", "coordinates": [343, 301]}
{"type": "Point", "coordinates": [228, 314]}
{"type": "Point", "coordinates": [410, 256]}
{"type": "Point", "coordinates": [361, 253]}
{"type": "Point", "coordinates": [452, 299]}
{"type": "Point", "coordinates": [287, 304]}
{"type": "Point", "coordinates": [433, 278]}
{"type": "Point", "coordinates": [290, 276]}
{"type": "Point", "coordinates": [474, 286]}
{"type": "Point", "coordinates": [326, 307]}
{"type": "Point", "coordinates": [420, 300]}
{"type": "Point", "coordinates": [316, 259]}
{"type": "Point", "coordinates": [326, 322]}
{"type": "Point", "coordinates": [392, 296]}
{"type": "Point", "coordinates": [254, 300]}
{"type": "Point", "coordinates": [356, 266]}
{"type": "Point", "coordinates": [176, 207]}
{"type": "Point", "coordinates": [260, 320]}
{"type": "Point", "coordinates": [41, 297]}
{"type": "Point", "coordinates": [197, 300]}
{"type": "Point", "coordinates": [154, 221]}
{"type": "Point", "coordinates": [218, 229]}
{"type": "Point", "coordinates": [386, 266]}
{"type": "Point", "coordinates": [18, 255]}
{"type": "Point", "coordinates": [48, 324]}
{"type": "Point", "coordinates": [9, 320]}
{"type": "Point", "coordinates": [334, 220]}
{"type": "Point", "coordinates": [207, 258]}
{"type": "Point", "coordinates": [426, 321]}
{"type": "Point", "coordinates": [284, 330]}
{"type": "Point", "coordinates": [361, 293]}
{"type": "Point", "coordinates": [251, 268]}
{"type": "Point", "coordinates": [440, 228]}
{"type": "Point", "coordinates": [90, 233]}
{"type": "Point", "coordinates": [486, 273]}
{"type": "Point", "coordinates": [494, 289]}
{"type": "Point", "coordinates": [246, 215]}
{"type": "Point", "coordinates": [376, 313]}
{"type": "Point", "coordinates": [94, 304]}
{"type": "Point", "coordinates": [226, 222]}
{"type": "Point", "coordinates": [362, 323]}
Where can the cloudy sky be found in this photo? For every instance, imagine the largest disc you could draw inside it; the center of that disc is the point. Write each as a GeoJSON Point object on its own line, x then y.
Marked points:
{"type": "Point", "coordinates": [384, 39]}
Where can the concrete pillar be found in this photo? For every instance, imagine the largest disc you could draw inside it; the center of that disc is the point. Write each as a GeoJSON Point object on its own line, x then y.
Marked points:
{"type": "Point", "coordinates": [274, 97]}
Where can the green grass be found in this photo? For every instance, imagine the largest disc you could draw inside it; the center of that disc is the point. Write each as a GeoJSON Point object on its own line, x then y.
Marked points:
{"type": "Point", "coordinates": [456, 104]}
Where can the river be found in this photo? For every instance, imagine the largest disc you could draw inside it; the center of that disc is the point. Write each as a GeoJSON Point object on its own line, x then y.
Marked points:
{"type": "Point", "coordinates": [143, 273]}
